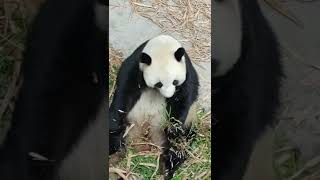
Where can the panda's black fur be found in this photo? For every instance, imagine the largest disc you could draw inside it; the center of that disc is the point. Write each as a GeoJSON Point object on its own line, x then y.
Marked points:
{"type": "Point", "coordinates": [63, 87]}
{"type": "Point", "coordinates": [245, 99]}
{"type": "Point", "coordinates": [130, 85]}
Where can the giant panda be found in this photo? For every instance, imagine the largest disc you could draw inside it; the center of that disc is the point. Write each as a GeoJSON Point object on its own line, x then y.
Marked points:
{"type": "Point", "coordinates": [246, 83]}
{"type": "Point", "coordinates": [158, 77]}
{"type": "Point", "coordinates": [59, 127]}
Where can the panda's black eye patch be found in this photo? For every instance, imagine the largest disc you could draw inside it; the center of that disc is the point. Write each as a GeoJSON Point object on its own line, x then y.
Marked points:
{"type": "Point", "coordinates": [175, 82]}
{"type": "Point", "coordinates": [145, 58]}
{"type": "Point", "coordinates": [158, 85]}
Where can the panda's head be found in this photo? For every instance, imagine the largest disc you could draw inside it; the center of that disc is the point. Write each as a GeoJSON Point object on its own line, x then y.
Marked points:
{"type": "Point", "coordinates": [163, 64]}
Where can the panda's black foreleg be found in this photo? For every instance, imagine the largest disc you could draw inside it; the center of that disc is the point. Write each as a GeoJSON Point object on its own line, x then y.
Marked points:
{"type": "Point", "coordinates": [175, 152]}
{"type": "Point", "coordinates": [116, 116]}
{"type": "Point", "coordinates": [125, 96]}
{"type": "Point", "coordinates": [116, 119]}
{"type": "Point", "coordinates": [178, 137]}
{"type": "Point", "coordinates": [116, 130]}
{"type": "Point", "coordinates": [118, 110]}
{"type": "Point", "coordinates": [171, 159]}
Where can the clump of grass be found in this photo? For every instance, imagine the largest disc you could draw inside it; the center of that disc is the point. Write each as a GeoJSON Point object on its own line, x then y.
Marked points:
{"type": "Point", "coordinates": [287, 159]}
{"type": "Point", "coordinates": [145, 165]}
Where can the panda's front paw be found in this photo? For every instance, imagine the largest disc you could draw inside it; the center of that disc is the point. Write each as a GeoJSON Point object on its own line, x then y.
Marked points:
{"type": "Point", "coordinates": [115, 143]}
{"type": "Point", "coordinates": [171, 160]}
{"type": "Point", "coordinates": [175, 131]}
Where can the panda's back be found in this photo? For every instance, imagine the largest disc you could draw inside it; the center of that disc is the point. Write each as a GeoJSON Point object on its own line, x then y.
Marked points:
{"type": "Point", "coordinates": [147, 116]}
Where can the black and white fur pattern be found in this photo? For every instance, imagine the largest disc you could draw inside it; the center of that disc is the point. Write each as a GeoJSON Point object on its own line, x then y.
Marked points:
{"type": "Point", "coordinates": [58, 129]}
{"type": "Point", "coordinates": [246, 83]}
{"type": "Point", "coordinates": [157, 77]}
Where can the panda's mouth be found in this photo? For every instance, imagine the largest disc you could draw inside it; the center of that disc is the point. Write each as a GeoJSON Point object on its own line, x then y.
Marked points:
{"type": "Point", "coordinates": [168, 97]}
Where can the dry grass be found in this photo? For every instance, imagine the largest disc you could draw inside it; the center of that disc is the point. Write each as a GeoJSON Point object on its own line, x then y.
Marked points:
{"type": "Point", "coordinates": [115, 60]}
{"type": "Point", "coordinates": [191, 19]}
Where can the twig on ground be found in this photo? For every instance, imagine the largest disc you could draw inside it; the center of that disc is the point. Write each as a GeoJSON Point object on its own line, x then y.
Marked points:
{"type": "Point", "coordinates": [157, 167]}
{"type": "Point", "coordinates": [119, 172]}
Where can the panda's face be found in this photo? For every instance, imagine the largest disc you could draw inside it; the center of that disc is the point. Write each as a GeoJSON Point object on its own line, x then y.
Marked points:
{"type": "Point", "coordinates": [163, 64]}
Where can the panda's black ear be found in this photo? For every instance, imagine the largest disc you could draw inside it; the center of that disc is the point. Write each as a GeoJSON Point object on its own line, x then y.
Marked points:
{"type": "Point", "coordinates": [145, 58]}
{"type": "Point", "coordinates": [179, 53]}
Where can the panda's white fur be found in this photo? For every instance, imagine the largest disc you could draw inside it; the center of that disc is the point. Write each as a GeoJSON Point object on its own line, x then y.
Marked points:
{"type": "Point", "coordinates": [164, 67]}
{"type": "Point", "coordinates": [149, 111]}
{"type": "Point", "coordinates": [146, 115]}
